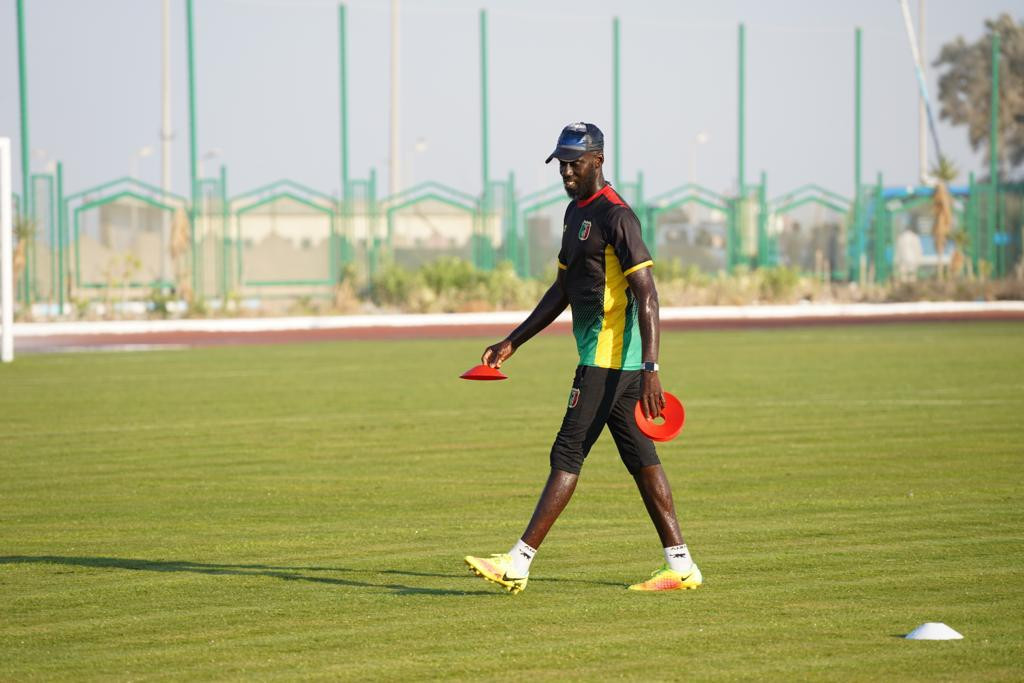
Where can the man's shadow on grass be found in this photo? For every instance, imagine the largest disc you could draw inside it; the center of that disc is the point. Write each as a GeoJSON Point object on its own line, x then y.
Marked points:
{"type": "Point", "coordinates": [276, 572]}
{"type": "Point", "coordinates": [282, 573]}
{"type": "Point", "coordinates": [538, 580]}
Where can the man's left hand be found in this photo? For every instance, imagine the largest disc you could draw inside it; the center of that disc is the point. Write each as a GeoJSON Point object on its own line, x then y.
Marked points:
{"type": "Point", "coordinates": [652, 398]}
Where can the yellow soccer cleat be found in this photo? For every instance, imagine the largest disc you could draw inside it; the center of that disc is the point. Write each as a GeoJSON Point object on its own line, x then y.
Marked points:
{"type": "Point", "coordinates": [496, 568]}
{"type": "Point", "coordinates": [667, 580]}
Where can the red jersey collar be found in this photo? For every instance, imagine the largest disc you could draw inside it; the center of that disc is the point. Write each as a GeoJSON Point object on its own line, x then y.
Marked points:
{"type": "Point", "coordinates": [606, 190]}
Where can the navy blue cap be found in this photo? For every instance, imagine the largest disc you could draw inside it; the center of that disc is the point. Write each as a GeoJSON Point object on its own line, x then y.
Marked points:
{"type": "Point", "coordinates": [576, 140]}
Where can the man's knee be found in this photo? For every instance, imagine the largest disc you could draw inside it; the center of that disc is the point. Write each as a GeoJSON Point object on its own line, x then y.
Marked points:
{"type": "Point", "coordinates": [567, 457]}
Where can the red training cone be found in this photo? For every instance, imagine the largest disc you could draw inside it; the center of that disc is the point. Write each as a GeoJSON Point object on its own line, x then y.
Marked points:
{"type": "Point", "coordinates": [673, 414]}
{"type": "Point", "coordinates": [483, 372]}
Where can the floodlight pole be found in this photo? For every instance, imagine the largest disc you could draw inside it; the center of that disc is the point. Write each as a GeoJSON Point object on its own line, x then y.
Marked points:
{"type": "Point", "coordinates": [193, 212]}
{"type": "Point", "coordinates": [23, 99]}
{"type": "Point", "coordinates": [343, 104]}
{"type": "Point", "coordinates": [394, 160]}
{"type": "Point", "coordinates": [616, 96]}
{"type": "Point", "coordinates": [857, 222]}
{"type": "Point", "coordinates": [165, 97]}
{"type": "Point", "coordinates": [741, 114]}
{"type": "Point", "coordinates": [6, 254]}
{"type": "Point", "coordinates": [484, 132]}
{"type": "Point", "coordinates": [922, 116]}
{"type": "Point", "coordinates": [166, 135]}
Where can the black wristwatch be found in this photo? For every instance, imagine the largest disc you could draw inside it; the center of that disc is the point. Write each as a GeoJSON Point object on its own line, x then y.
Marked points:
{"type": "Point", "coordinates": [650, 366]}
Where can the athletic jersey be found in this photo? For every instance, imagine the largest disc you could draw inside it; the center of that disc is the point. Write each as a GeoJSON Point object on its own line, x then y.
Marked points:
{"type": "Point", "coordinates": [601, 245]}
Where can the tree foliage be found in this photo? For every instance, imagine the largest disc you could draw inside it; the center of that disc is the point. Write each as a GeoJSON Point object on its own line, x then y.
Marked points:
{"type": "Point", "coordinates": [965, 87]}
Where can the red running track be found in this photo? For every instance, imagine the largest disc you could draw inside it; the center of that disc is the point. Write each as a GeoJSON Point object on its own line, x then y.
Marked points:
{"type": "Point", "coordinates": [155, 340]}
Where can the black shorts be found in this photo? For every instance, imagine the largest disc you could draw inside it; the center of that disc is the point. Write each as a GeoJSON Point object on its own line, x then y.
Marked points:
{"type": "Point", "coordinates": [602, 396]}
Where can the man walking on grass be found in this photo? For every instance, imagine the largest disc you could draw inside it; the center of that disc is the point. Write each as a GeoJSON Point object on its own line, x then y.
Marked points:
{"type": "Point", "coordinates": [604, 274]}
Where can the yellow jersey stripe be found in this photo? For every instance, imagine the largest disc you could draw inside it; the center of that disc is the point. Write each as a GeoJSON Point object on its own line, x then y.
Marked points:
{"type": "Point", "coordinates": [645, 264]}
{"type": "Point", "coordinates": [562, 266]}
{"type": "Point", "coordinates": [610, 339]}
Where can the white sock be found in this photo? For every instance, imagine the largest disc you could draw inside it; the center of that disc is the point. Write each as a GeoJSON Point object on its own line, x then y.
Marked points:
{"type": "Point", "coordinates": [678, 558]}
{"type": "Point", "coordinates": [522, 556]}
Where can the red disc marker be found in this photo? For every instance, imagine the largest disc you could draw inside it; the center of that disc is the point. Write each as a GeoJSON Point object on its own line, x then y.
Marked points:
{"type": "Point", "coordinates": [673, 414]}
{"type": "Point", "coordinates": [483, 372]}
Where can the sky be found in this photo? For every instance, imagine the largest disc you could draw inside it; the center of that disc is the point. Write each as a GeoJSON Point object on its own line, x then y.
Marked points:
{"type": "Point", "coordinates": [267, 93]}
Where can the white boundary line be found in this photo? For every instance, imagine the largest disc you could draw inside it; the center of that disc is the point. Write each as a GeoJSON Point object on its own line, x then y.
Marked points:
{"type": "Point", "coordinates": [339, 322]}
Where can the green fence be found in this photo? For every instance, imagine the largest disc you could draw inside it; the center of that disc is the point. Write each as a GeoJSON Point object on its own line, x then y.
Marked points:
{"type": "Point", "coordinates": [286, 239]}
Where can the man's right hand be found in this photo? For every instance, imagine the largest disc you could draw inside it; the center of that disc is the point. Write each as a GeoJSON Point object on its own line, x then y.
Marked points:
{"type": "Point", "coordinates": [496, 354]}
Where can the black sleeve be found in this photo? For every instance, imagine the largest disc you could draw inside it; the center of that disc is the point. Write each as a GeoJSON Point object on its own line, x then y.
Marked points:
{"type": "Point", "coordinates": [627, 241]}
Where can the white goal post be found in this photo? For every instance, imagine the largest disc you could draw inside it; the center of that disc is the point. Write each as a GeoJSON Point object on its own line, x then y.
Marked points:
{"type": "Point", "coordinates": [6, 256]}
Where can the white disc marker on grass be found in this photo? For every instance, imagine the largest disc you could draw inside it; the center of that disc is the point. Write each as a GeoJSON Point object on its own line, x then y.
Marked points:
{"type": "Point", "coordinates": [933, 630]}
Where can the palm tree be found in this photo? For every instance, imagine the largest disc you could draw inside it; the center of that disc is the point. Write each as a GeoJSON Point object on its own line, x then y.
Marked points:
{"type": "Point", "coordinates": [944, 172]}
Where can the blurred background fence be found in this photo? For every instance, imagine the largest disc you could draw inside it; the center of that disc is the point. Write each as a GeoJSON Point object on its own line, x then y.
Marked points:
{"type": "Point", "coordinates": [128, 240]}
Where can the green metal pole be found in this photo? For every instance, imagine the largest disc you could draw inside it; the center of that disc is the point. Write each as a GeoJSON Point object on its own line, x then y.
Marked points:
{"type": "Point", "coordinates": [23, 98]}
{"type": "Point", "coordinates": [741, 133]}
{"type": "Point", "coordinates": [740, 214]}
{"type": "Point", "coordinates": [60, 238]}
{"type": "Point", "coordinates": [30, 251]}
{"type": "Point", "coordinates": [993, 155]}
{"type": "Point", "coordinates": [763, 256]}
{"type": "Point", "coordinates": [880, 223]}
{"type": "Point", "coordinates": [343, 90]}
{"type": "Point", "coordinates": [1003, 251]}
{"type": "Point", "coordinates": [485, 196]}
{"type": "Point", "coordinates": [372, 241]}
{"type": "Point", "coordinates": [972, 221]}
{"type": "Point", "coordinates": [224, 244]}
{"type": "Point", "coordinates": [616, 112]}
{"type": "Point", "coordinates": [25, 285]}
{"type": "Point", "coordinates": [54, 208]}
{"type": "Point", "coordinates": [193, 157]}
{"type": "Point", "coordinates": [857, 222]}
{"type": "Point", "coordinates": [484, 132]}
{"type": "Point", "coordinates": [648, 224]}
{"type": "Point", "coordinates": [28, 203]}
{"type": "Point", "coordinates": [525, 246]}
{"type": "Point", "coordinates": [75, 274]}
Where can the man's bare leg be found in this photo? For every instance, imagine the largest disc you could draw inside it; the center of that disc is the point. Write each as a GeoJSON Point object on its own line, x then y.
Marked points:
{"type": "Point", "coordinates": [557, 492]}
{"type": "Point", "coordinates": [512, 569]}
{"type": "Point", "coordinates": [657, 495]}
{"type": "Point", "coordinates": [680, 571]}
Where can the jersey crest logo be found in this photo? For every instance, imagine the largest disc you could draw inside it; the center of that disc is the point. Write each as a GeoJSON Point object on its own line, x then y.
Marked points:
{"type": "Point", "coordinates": [574, 397]}
{"type": "Point", "coordinates": [584, 230]}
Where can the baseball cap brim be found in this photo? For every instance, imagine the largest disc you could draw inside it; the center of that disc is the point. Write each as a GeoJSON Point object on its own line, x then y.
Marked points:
{"type": "Point", "coordinates": [565, 154]}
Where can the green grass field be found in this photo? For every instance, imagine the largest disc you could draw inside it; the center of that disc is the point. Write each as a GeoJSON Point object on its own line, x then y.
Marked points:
{"type": "Point", "coordinates": [302, 511]}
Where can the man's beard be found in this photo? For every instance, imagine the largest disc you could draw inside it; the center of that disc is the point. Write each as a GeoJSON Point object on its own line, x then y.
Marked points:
{"type": "Point", "coordinates": [577, 191]}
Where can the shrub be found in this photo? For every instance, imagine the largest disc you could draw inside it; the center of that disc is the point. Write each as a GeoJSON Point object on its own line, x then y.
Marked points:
{"type": "Point", "coordinates": [392, 285]}
{"type": "Point", "coordinates": [449, 275]}
{"type": "Point", "coordinates": [674, 271]}
{"type": "Point", "coordinates": [778, 283]}
{"type": "Point", "coordinates": [506, 290]}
